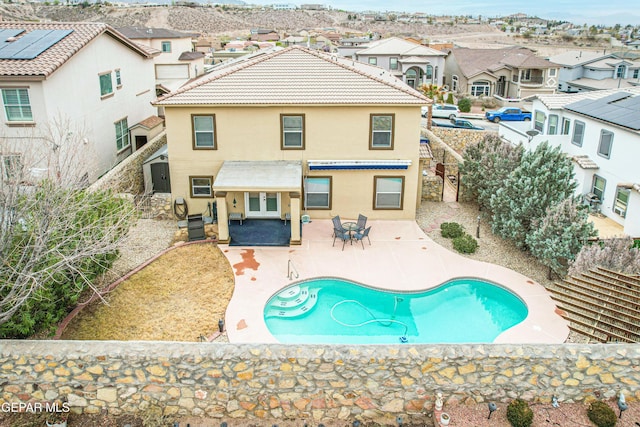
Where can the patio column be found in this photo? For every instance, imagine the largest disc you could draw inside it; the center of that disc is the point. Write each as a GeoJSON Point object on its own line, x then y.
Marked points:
{"type": "Point", "coordinates": [223, 217]}
{"type": "Point", "coordinates": [294, 198]}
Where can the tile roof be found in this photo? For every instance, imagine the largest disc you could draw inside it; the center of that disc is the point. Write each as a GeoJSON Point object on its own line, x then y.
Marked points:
{"type": "Point", "coordinates": [585, 162]}
{"type": "Point", "coordinates": [398, 46]}
{"type": "Point", "coordinates": [475, 61]}
{"type": "Point", "coordinates": [153, 33]}
{"type": "Point", "coordinates": [55, 56]}
{"type": "Point", "coordinates": [295, 75]}
{"type": "Point", "coordinates": [150, 122]}
{"type": "Point", "coordinates": [189, 56]}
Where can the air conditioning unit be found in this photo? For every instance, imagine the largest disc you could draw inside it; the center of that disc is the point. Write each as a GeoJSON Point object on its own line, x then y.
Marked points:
{"type": "Point", "coordinates": [620, 211]}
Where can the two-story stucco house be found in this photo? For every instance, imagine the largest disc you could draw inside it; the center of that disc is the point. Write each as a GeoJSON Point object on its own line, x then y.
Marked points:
{"type": "Point", "coordinates": [87, 74]}
{"type": "Point", "coordinates": [177, 62]}
{"type": "Point", "coordinates": [600, 131]}
{"type": "Point", "coordinates": [587, 70]}
{"type": "Point", "coordinates": [513, 72]}
{"type": "Point", "coordinates": [295, 132]}
{"type": "Point", "coordinates": [410, 62]}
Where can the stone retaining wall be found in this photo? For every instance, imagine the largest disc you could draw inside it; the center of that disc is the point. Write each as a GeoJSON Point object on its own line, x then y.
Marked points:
{"type": "Point", "coordinates": [306, 382]}
{"type": "Point", "coordinates": [432, 188]}
{"type": "Point", "coordinates": [458, 139]}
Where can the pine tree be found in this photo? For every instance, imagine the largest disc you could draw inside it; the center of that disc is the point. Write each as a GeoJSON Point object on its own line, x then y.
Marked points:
{"type": "Point", "coordinates": [487, 164]}
{"type": "Point", "coordinates": [543, 179]}
{"type": "Point", "coordinates": [559, 236]}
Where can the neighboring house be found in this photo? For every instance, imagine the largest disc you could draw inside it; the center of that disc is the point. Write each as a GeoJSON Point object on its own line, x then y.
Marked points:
{"type": "Point", "coordinates": [600, 131]}
{"type": "Point", "coordinates": [262, 35]}
{"type": "Point", "coordinates": [317, 135]}
{"type": "Point", "coordinates": [177, 63]}
{"type": "Point", "coordinates": [588, 70]}
{"type": "Point", "coordinates": [412, 63]}
{"type": "Point", "coordinates": [513, 72]}
{"type": "Point", "coordinates": [86, 73]}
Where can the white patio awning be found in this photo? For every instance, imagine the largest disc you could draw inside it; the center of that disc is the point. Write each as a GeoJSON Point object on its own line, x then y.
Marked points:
{"type": "Point", "coordinates": [279, 175]}
{"type": "Point", "coordinates": [358, 164]}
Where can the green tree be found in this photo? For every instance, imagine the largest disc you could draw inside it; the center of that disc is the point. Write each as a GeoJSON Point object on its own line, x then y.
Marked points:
{"type": "Point", "coordinates": [464, 105]}
{"type": "Point", "coordinates": [617, 254]}
{"type": "Point", "coordinates": [450, 98]}
{"type": "Point", "coordinates": [487, 164]}
{"type": "Point", "coordinates": [543, 179]}
{"type": "Point", "coordinates": [559, 236]}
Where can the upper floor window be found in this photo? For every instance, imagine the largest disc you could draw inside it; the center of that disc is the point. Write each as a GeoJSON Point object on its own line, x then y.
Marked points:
{"type": "Point", "coordinates": [166, 47]}
{"type": "Point", "coordinates": [552, 128]}
{"type": "Point", "coordinates": [118, 79]}
{"type": "Point", "coordinates": [317, 192]}
{"type": "Point", "coordinates": [621, 202]}
{"type": "Point", "coordinates": [566, 126]}
{"type": "Point", "coordinates": [621, 71]}
{"type": "Point", "coordinates": [606, 141]}
{"type": "Point", "coordinates": [553, 72]}
{"type": "Point", "coordinates": [393, 63]}
{"type": "Point", "coordinates": [480, 88]}
{"type": "Point", "coordinates": [388, 192]}
{"type": "Point", "coordinates": [106, 86]}
{"type": "Point", "coordinates": [373, 60]}
{"type": "Point", "coordinates": [17, 106]}
{"type": "Point", "coordinates": [381, 135]}
{"type": "Point", "coordinates": [292, 131]}
{"type": "Point", "coordinates": [539, 121]}
{"type": "Point", "coordinates": [525, 75]}
{"type": "Point", "coordinates": [204, 132]}
{"type": "Point", "coordinates": [636, 73]}
{"type": "Point", "coordinates": [578, 133]}
{"type": "Point", "coordinates": [454, 82]}
{"type": "Point", "coordinates": [122, 134]}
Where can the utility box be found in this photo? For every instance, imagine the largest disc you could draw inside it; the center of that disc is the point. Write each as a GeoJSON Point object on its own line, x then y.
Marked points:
{"type": "Point", "coordinates": [195, 227]}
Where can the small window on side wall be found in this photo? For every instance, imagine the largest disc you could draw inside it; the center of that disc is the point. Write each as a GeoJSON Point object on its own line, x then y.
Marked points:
{"type": "Point", "coordinates": [605, 145]}
{"type": "Point", "coordinates": [388, 192]}
{"type": "Point", "coordinates": [292, 131]}
{"type": "Point", "coordinates": [381, 135]}
{"type": "Point", "coordinates": [166, 47]}
{"type": "Point", "coordinates": [317, 192]}
{"type": "Point", "coordinates": [204, 132]}
{"type": "Point", "coordinates": [578, 133]}
{"type": "Point", "coordinates": [200, 186]}
{"type": "Point", "coordinates": [106, 86]}
{"type": "Point", "coordinates": [552, 128]}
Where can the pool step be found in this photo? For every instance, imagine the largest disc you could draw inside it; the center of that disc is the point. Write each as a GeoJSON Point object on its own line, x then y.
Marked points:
{"type": "Point", "coordinates": [304, 302]}
{"type": "Point", "coordinates": [290, 293]}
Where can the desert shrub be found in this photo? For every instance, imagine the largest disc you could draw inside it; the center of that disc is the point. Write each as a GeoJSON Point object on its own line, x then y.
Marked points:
{"type": "Point", "coordinates": [489, 102]}
{"type": "Point", "coordinates": [465, 244]}
{"type": "Point", "coordinates": [451, 230]}
{"type": "Point", "coordinates": [601, 414]}
{"type": "Point", "coordinates": [464, 105]}
{"type": "Point", "coordinates": [450, 98]}
{"type": "Point", "coordinates": [519, 414]}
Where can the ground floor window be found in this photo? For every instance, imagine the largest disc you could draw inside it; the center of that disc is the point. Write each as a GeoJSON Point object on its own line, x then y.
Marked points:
{"type": "Point", "coordinates": [388, 192]}
{"type": "Point", "coordinates": [11, 166]}
{"type": "Point", "coordinates": [622, 200]}
{"type": "Point", "coordinates": [201, 186]}
{"type": "Point", "coordinates": [598, 187]}
{"type": "Point", "coordinates": [480, 88]}
{"type": "Point", "coordinates": [317, 192]}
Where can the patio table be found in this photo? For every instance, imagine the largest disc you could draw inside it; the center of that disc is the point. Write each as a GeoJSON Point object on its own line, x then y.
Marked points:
{"type": "Point", "coordinates": [350, 227]}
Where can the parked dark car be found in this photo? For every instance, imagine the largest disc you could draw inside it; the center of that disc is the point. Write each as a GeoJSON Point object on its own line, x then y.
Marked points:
{"type": "Point", "coordinates": [458, 124]}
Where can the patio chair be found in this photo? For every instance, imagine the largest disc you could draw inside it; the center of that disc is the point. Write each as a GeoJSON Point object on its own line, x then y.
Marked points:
{"type": "Point", "coordinates": [360, 235]}
{"type": "Point", "coordinates": [337, 224]}
{"type": "Point", "coordinates": [362, 222]}
{"type": "Point", "coordinates": [339, 233]}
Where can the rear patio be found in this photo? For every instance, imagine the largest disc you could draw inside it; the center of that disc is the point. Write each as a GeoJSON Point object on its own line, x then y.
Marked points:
{"type": "Point", "coordinates": [401, 257]}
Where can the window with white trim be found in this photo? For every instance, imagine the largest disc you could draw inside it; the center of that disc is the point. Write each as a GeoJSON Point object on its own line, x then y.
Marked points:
{"type": "Point", "coordinates": [373, 60]}
{"type": "Point", "coordinates": [106, 86]}
{"type": "Point", "coordinates": [553, 72]}
{"type": "Point", "coordinates": [480, 88]}
{"type": "Point", "coordinates": [552, 127]}
{"type": "Point", "coordinates": [166, 47]}
{"type": "Point", "coordinates": [429, 73]}
{"type": "Point", "coordinates": [636, 73]}
{"type": "Point", "coordinates": [381, 136]}
{"type": "Point", "coordinates": [578, 133]}
{"type": "Point", "coordinates": [539, 121]}
{"type": "Point", "coordinates": [17, 106]}
{"type": "Point", "coordinates": [454, 82]}
{"type": "Point", "coordinates": [598, 186]}
{"type": "Point", "coordinates": [621, 71]}
{"type": "Point", "coordinates": [204, 132]}
{"type": "Point", "coordinates": [388, 192]}
{"type": "Point", "coordinates": [605, 144]}
{"type": "Point", "coordinates": [122, 134]}
{"type": "Point", "coordinates": [317, 192]}
{"type": "Point", "coordinates": [566, 126]}
{"type": "Point", "coordinates": [201, 186]}
{"type": "Point", "coordinates": [622, 201]}
{"type": "Point", "coordinates": [393, 63]}
{"type": "Point", "coordinates": [118, 79]}
{"type": "Point", "coordinates": [292, 131]}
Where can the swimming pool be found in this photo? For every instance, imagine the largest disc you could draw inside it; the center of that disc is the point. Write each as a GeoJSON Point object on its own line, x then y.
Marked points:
{"type": "Point", "coordinates": [333, 311]}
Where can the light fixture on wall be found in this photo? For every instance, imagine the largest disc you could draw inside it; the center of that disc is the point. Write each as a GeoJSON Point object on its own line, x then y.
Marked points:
{"type": "Point", "coordinates": [235, 202]}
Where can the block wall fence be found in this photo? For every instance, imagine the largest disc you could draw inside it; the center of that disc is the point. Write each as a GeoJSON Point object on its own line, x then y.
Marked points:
{"type": "Point", "coordinates": [312, 382]}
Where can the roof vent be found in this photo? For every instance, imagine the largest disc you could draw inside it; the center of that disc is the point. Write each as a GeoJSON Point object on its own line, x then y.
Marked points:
{"type": "Point", "coordinates": [11, 39]}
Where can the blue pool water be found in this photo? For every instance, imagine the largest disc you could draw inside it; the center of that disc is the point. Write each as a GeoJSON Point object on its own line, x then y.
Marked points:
{"type": "Point", "coordinates": [336, 311]}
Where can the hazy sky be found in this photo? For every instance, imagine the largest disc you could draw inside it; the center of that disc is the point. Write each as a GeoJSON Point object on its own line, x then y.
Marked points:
{"type": "Point", "coordinates": [606, 12]}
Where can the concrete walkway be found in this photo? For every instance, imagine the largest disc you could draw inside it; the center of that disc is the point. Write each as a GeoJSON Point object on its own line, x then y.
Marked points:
{"type": "Point", "coordinates": [401, 257]}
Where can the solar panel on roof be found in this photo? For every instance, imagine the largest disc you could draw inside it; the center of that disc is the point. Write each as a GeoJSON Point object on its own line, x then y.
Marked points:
{"type": "Point", "coordinates": [6, 34]}
{"type": "Point", "coordinates": [33, 44]}
{"type": "Point", "coordinates": [619, 108]}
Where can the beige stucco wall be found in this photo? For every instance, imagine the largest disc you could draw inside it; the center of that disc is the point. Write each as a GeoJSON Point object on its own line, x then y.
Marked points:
{"type": "Point", "coordinates": [331, 133]}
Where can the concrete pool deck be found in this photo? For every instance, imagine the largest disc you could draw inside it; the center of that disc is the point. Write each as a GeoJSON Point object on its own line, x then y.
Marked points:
{"type": "Point", "coordinates": [401, 258]}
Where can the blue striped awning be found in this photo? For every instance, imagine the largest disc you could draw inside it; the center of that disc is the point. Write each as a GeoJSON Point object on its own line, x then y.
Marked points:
{"type": "Point", "coordinates": [357, 164]}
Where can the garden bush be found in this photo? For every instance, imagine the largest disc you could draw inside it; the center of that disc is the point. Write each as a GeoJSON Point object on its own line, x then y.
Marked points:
{"type": "Point", "coordinates": [519, 414]}
{"type": "Point", "coordinates": [465, 244]}
{"type": "Point", "coordinates": [601, 414]}
{"type": "Point", "coordinates": [464, 105]}
{"type": "Point", "coordinates": [450, 98]}
{"type": "Point", "coordinates": [451, 230]}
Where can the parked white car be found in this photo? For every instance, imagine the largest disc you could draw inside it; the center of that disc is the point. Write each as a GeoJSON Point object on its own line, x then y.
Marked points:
{"type": "Point", "coordinates": [447, 111]}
